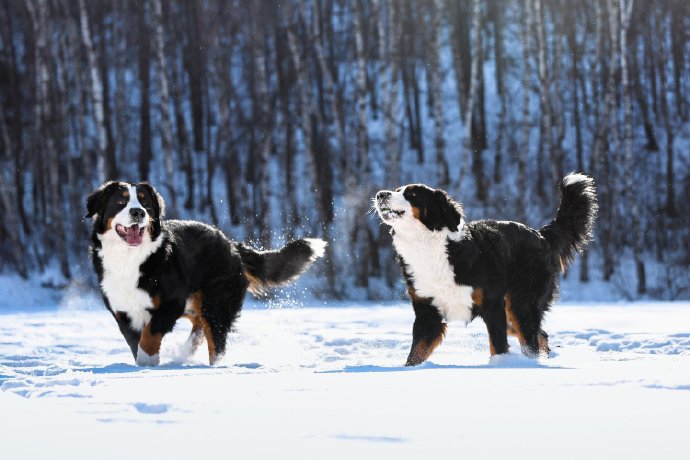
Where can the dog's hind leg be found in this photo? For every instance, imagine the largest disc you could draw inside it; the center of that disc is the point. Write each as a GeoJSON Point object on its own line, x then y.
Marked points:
{"type": "Point", "coordinates": [494, 315]}
{"type": "Point", "coordinates": [525, 324]}
{"type": "Point", "coordinates": [196, 336]}
{"type": "Point", "coordinates": [427, 332]}
{"type": "Point", "coordinates": [221, 303]}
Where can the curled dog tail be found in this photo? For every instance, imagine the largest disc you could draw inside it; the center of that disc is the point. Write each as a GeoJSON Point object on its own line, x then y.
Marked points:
{"type": "Point", "coordinates": [571, 230]}
{"type": "Point", "coordinates": [267, 269]}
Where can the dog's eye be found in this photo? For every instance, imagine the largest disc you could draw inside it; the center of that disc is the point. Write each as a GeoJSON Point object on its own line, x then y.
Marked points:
{"type": "Point", "coordinates": [122, 201]}
{"type": "Point", "coordinates": [411, 194]}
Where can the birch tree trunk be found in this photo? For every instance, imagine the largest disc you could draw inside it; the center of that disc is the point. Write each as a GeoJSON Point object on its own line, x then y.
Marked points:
{"type": "Point", "coordinates": [548, 144]}
{"type": "Point", "coordinates": [164, 106]}
{"type": "Point", "coordinates": [262, 118]}
{"type": "Point", "coordinates": [362, 234]}
{"type": "Point", "coordinates": [145, 150]}
{"type": "Point", "coordinates": [96, 95]}
{"type": "Point", "coordinates": [8, 200]}
{"type": "Point", "coordinates": [471, 149]}
{"type": "Point", "coordinates": [390, 75]}
{"type": "Point", "coordinates": [526, 122]}
{"type": "Point", "coordinates": [437, 94]}
{"type": "Point", "coordinates": [662, 59]}
{"type": "Point", "coordinates": [309, 115]}
{"type": "Point", "coordinates": [625, 8]}
{"type": "Point", "coordinates": [44, 114]}
{"type": "Point", "coordinates": [599, 160]}
{"type": "Point", "coordinates": [499, 60]}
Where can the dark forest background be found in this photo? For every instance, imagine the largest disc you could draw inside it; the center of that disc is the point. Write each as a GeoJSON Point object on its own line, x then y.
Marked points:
{"type": "Point", "coordinates": [280, 119]}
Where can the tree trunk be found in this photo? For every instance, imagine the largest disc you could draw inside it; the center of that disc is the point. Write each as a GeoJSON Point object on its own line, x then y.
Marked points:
{"type": "Point", "coordinates": [625, 8]}
{"type": "Point", "coordinates": [435, 71]}
{"type": "Point", "coordinates": [362, 236]}
{"type": "Point", "coordinates": [96, 96]}
{"type": "Point", "coordinates": [145, 151]}
{"type": "Point", "coordinates": [471, 148]}
{"type": "Point", "coordinates": [523, 150]}
{"type": "Point", "coordinates": [164, 107]}
{"type": "Point", "coordinates": [662, 59]}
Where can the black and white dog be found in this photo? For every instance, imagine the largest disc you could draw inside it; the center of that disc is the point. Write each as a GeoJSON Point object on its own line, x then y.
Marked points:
{"type": "Point", "coordinates": [504, 272]}
{"type": "Point", "coordinates": [152, 272]}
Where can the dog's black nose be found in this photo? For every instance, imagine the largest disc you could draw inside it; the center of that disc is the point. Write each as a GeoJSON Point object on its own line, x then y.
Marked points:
{"type": "Point", "coordinates": [382, 195]}
{"type": "Point", "coordinates": [137, 213]}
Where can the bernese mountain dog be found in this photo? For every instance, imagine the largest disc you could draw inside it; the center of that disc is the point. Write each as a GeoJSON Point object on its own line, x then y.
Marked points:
{"type": "Point", "coordinates": [152, 271]}
{"type": "Point", "coordinates": [504, 272]}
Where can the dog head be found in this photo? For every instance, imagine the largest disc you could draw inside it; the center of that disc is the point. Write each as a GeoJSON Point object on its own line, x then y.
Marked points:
{"type": "Point", "coordinates": [417, 206]}
{"type": "Point", "coordinates": [128, 212]}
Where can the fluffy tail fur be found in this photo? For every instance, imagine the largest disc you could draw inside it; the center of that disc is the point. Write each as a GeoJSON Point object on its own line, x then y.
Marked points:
{"type": "Point", "coordinates": [267, 269]}
{"type": "Point", "coordinates": [571, 230]}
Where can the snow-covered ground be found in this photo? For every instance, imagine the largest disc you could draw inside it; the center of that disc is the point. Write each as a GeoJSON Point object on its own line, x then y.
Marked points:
{"type": "Point", "coordinates": [327, 382]}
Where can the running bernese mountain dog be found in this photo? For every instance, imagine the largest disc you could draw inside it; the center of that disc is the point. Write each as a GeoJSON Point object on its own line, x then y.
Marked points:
{"type": "Point", "coordinates": [504, 272]}
{"type": "Point", "coordinates": [152, 271]}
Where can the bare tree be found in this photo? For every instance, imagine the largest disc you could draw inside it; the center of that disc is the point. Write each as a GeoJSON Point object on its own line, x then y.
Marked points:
{"type": "Point", "coordinates": [96, 94]}
{"type": "Point", "coordinates": [164, 105]}
{"type": "Point", "coordinates": [437, 95]}
{"type": "Point", "coordinates": [471, 148]}
{"type": "Point", "coordinates": [526, 122]}
{"type": "Point", "coordinates": [662, 59]}
{"type": "Point", "coordinates": [363, 238]}
{"type": "Point", "coordinates": [625, 8]}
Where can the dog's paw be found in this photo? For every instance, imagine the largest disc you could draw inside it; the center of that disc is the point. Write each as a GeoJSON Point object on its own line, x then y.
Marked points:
{"type": "Point", "coordinates": [144, 359]}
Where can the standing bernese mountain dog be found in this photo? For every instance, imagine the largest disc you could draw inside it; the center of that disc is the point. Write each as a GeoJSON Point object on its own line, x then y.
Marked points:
{"type": "Point", "coordinates": [504, 272]}
{"type": "Point", "coordinates": [153, 271]}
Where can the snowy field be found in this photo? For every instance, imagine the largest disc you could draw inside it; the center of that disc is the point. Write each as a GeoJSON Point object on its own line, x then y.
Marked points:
{"type": "Point", "coordinates": [327, 382]}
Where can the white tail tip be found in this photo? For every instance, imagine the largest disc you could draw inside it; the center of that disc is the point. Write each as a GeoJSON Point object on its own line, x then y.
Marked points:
{"type": "Point", "coordinates": [574, 178]}
{"type": "Point", "coordinates": [317, 246]}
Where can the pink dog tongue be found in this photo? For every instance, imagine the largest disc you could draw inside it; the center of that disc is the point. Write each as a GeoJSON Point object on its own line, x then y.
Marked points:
{"type": "Point", "coordinates": [133, 235]}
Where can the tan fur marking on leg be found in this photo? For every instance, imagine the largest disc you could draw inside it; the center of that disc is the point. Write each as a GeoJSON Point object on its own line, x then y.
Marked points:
{"type": "Point", "coordinates": [423, 349]}
{"type": "Point", "coordinates": [197, 333]}
{"type": "Point", "coordinates": [513, 325]}
{"type": "Point", "coordinates": [150, 343]}
{"type": "Point", "coordinates": [199, 326]}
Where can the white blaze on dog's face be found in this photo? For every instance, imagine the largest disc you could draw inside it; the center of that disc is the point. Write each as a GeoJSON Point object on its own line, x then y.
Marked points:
{"type": "Point", "coordinates": [417, 207]}
{"type": "Point", "coordinates": [129, 213]}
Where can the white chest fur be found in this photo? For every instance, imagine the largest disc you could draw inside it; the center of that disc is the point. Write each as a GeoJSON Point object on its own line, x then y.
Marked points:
{"type": "Point", "coordinates": [121, 272]}
{"type": "Point", "coordinates": [424, 253]}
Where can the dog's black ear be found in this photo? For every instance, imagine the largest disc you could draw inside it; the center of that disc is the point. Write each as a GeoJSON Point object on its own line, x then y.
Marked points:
{"type": "Point", "coordinates": [157, 202]}
{"type": "Point", "coordinates": [95, 203]}
{"type": "Point", "coordinates": [450, 210]}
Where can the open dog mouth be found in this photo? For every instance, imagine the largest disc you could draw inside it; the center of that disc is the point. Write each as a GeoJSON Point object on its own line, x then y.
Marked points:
{"type": "Point", "coordinates": [133, 235]}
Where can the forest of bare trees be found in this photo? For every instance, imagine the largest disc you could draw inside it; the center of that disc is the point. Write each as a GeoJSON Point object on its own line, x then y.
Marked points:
{"type": "Point", "coordinates": [279, 119]}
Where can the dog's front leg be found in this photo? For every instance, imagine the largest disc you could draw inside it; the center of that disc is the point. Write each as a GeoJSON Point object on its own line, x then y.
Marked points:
{"type": "Point", "coordinates": [427, 333]}
{"type": "Point", "coordinates": [163, 319]}
{"type": "Point", "coordinates": [131, 336]}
